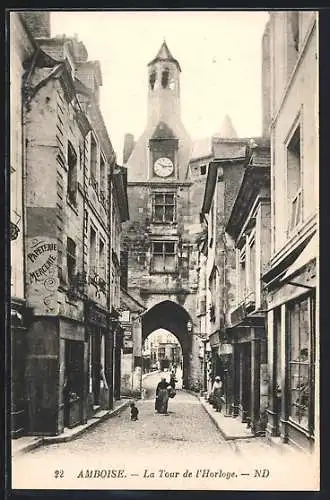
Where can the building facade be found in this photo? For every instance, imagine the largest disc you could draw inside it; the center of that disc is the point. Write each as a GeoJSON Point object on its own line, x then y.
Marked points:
{"type": "Point", "coordinates": [218, 255]}
{"type": "Point", "coordinates": [249, 228]}
{"type": "Point", "coordinates": [75, 200]}
{"type": "Point", "coordinates": [291, 279]}
{"type": "Point", "coordinates": [22, 48]}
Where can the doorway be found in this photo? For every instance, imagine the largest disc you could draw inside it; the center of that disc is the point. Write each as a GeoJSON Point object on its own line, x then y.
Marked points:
{"type": "Point", "coordinates": [73, 383]}
{"type": "Point", "coordinates": [245, 381]}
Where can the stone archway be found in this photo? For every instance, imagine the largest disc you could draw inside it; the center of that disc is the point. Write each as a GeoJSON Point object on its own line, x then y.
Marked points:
{"type": "Point", "coordinates": [172, 317]}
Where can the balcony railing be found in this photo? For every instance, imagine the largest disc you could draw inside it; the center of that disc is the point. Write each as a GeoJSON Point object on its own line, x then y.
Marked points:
{"type": "Point", "coordinates": [77, 285]}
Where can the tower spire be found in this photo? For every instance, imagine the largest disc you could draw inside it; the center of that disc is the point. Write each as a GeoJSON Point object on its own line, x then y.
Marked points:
{"type": "Point", "coordinates": [164, 54]}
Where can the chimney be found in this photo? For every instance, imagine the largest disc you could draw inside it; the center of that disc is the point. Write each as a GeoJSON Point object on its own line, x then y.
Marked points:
{"type": "Point", "coordinates": [266, 81]}
{"type": "Point", "coordinates": [128, 147]}
{"type": "Point", "coordinates": [37, 22]}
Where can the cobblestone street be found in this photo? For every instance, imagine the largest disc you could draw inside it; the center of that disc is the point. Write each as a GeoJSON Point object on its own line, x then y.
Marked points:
{"type": "Point", "coordinates": [185, 439]}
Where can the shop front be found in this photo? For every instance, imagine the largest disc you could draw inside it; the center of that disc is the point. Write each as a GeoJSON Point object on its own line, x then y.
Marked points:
{"type": "Point", "coordinates": [292, 353]}
{"type": "Point", "coordinates": [72, 374]}
{"type": "Point", "coordinates": [100, 358]}
{"type": "Point", "coordinates": [54, 374]}
{"type": "Point", "coordinates": [249, 373]}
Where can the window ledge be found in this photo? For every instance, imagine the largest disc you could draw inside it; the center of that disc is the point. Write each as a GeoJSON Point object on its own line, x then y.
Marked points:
{"type": "Point", "coordinates": [298, 427]}
{"type": "Point", "coordinates": [300, 233]}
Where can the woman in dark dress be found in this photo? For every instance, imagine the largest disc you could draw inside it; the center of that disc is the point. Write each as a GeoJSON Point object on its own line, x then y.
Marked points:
{"type": "Point", "coordinates": [162, 397]}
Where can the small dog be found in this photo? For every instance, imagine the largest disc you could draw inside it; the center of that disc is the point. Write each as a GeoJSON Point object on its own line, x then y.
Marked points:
{"type": "Point", "coordinates": [134, 412]}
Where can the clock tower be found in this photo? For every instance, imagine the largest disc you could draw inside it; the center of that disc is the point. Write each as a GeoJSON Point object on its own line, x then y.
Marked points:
{"type": "Point", "coordinates": [163, 150]}
{"type": "Point", "coordinates": [158, 239]}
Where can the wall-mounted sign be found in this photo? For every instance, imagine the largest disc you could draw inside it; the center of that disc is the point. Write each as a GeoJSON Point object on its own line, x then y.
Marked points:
{"type": "Point", "coordinates": [42, 274]}
{"type": "Point", "coordinates": [127, 335]}
{"type": "Point", "coordinates": [125, 316]}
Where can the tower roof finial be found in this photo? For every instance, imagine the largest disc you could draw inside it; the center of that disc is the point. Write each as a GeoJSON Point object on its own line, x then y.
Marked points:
{"type": "Point", "coordinates": [164, 54]}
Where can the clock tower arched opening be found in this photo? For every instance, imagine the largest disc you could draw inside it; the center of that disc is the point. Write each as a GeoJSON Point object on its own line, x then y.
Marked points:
{"type": "Point", "coordinates": [168, 315]}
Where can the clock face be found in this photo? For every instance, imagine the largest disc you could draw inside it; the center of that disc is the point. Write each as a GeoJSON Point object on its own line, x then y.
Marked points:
{"type": "Point", "coordinates": [163, 167]}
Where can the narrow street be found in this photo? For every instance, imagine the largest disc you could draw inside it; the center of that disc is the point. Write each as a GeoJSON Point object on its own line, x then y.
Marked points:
{"type": "Point", "coordinates": [153, 434]}
{"type": "Point", "coordinates": [152, 452]}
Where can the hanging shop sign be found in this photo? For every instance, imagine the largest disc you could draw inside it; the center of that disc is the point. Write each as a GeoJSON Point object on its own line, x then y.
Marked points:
{"type": "Point", "coordinates": [225, 349]}
{"type": "Point", "coordinates": [127, 337]}
{"type": "Point", "coordinates": [125, 316]}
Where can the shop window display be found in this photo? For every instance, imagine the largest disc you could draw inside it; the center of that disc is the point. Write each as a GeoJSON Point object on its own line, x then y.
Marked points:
{"type": "Point", "coordinates": [300, 359]}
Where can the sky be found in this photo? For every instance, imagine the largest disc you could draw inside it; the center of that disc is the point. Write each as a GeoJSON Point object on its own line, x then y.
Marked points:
{"type": "Point", "coordinates": [219, 53]}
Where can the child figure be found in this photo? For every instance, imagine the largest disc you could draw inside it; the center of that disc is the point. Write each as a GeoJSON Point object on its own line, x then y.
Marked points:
{"type": "Point", "coordinates": [134, 412]}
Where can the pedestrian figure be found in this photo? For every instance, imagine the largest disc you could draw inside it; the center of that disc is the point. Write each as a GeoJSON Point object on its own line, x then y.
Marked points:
{"type": "Point", "coordinates": [134, 412]}
{"type": "Point", "coordinates": [216, 394]}
{"type": "Point", "coordinates": [162, 397]}
{"type": "Point", "coordinates": [172, 380]}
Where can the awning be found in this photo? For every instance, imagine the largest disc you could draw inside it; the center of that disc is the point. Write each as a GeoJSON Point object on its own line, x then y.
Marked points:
{"type": "Point", "coordinates": [309, 253]}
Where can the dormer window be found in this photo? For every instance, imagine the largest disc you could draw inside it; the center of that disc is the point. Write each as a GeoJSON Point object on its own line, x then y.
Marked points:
{"type": "Point", "coordinates": [152, 80]}
{"type": "Point", "coordinates": [165, 78]}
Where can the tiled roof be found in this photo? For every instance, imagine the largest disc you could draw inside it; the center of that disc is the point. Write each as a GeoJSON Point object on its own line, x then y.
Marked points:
{"type": "Point", "coordinates": [201, 148]}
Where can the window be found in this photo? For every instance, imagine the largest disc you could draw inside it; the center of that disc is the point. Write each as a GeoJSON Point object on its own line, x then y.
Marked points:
{"type": "Point", "coordinates": [163, 256]}
{"type": "Point", "coordinates": [152, 80]}
{"type": "Point", "coordinates": [72, 174]}
{"type": "Point", "coordinates": [102, 173]}
{"type": "Point", "coordinates": [294, 180]}
{"type": "Point", "coordinates": [92, 252]}
{"type": "Point", "coordinates": [165, 78]}
{"type": "Point", "coordinates": [203, 169]}
{"type": "Point", "coordinates": [102, 259]}
{"type": "Point", "coordinates": [301, 362]}
{"type": "Point", "coordinates": [161, 352]}
{"type": "Point", "coordinates": [124, 269]}
{"type": "Point", "coordinates": [93, 164]}
{"type": "Point", "coordinates": [242, 275]}
{"type": "Point", "coordinates": [71, 259]}
{"type": "Point", "coordinates": [164, 207]}
{"type": "Point", "coordinates": [252, 266]}
{"type": "Point", "coordinates": [103, 185]}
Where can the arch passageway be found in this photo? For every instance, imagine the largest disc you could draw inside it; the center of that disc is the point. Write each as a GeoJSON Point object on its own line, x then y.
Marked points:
{"type": "Point", "coordinates": [172, 317]}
